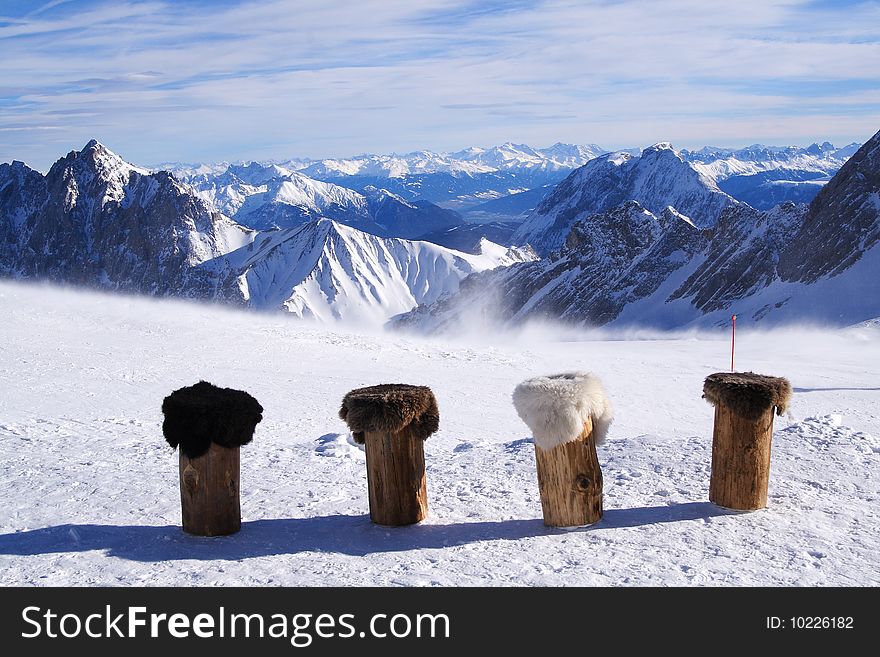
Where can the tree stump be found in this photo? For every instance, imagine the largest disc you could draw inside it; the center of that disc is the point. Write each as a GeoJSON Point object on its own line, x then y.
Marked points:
{"type": "Point", "coordinates": [392, 421]}
{"type": "Point", "coordinates": [569, 415]}
{"type": "Point", "coordinates": [742, 436]}
{"type": "Point", "coordinates": [210, 424]}
{"type": "Point", "coordinates": [209, 492]}
{"type": "Point", "coordinates": [570, 481]}
{"type": "Point", "coordinates": [740, 460]}
{"type": "Point", "coordinates": [396, 479]}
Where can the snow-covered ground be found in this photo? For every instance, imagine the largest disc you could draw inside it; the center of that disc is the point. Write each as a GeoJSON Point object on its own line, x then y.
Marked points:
{"type": "Point", "coordinates": [90, 488]}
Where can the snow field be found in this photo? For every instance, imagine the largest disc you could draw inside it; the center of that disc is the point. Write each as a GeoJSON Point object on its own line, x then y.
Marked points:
{"type": "Point", "coordinates": [90, 488]}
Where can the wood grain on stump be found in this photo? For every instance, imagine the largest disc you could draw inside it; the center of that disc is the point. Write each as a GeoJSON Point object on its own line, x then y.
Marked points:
{"type": "Point", "coordinates": [396, 477]}
{"type": "Point", "coordinates": [740, 459]}
{"type": "Point", "coordinates": [570, 482]}
{"type": "Point", "coordinates": [209, 492]}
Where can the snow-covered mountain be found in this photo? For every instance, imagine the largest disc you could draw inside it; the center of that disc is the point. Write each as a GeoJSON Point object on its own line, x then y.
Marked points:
{"type": "Point", "coordinates": [456, 180]}
{"type": "Point", "coordinates": [630, 266]}
{"type": "Point", "coordinates": [643, 238]}
{"type": "Point", "coordinates": [265, 196]}
{"type": "Point", "coordinates": [722, 163]}
{"type": "Point", "coordinates": [764, 176]}
{"type": "Point", "coordinates": [98, 221]}
{"type": "Point", "coordinates": [95, 219]}
{"type": "Point", "coordinates": [285, 201]}
{"type": "Point", "coordinates": [608, 261]}
{"type": "Point", "coordinates": [843, 223]}
{"type": "Point", "coordinates": [191, 170]}
{"type": "Point", "coordinates": [327, 271]}
{"type": "Point", "coordinates": [657, 178]}
{"type": "Point", "coordinates": [473, 179]}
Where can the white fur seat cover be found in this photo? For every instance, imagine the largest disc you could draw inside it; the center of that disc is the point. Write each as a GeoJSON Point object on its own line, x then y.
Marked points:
{"type": "Point", "coordinates": [555, 407]}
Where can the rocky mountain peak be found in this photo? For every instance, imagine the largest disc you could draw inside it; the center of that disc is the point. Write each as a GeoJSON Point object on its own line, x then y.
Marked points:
{"type": "Point", "coordinates": [659, 147]}
{"type": "Point", "coordinates": [657, 178]}
{"type": "Point", "coordinates": [93, 172]}
{"type": "Point", "coordinates": [843, 222]}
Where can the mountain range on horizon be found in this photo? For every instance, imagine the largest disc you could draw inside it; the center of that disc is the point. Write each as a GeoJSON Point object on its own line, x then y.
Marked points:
{"type": "Point", "coordinates": [473, 179]}
{"type": "Point", "coordinates": [468, 161]}
{"type": "Point", "coordinates": [511, 156]}
{"type": "Point", "coordinates": [613, 233]}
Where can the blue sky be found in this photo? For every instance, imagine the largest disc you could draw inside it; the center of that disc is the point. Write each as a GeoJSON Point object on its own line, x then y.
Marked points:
{"type": "Point", "coordinates": [228, 80]}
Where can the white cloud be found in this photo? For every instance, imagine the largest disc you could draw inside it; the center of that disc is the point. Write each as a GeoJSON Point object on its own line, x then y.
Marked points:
{"type": "Point", "coordinates": [160, 81]}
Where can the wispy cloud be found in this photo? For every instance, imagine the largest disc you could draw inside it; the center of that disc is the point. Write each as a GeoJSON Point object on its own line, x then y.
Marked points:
{"type": "Point", "coordinates": [227, 80]}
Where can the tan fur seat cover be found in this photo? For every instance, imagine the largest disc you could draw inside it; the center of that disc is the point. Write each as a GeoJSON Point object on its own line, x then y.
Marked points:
{"type": "Point", "coordinates": [390, 407]}
{"type": "Point", "coordinates": [747, 394]}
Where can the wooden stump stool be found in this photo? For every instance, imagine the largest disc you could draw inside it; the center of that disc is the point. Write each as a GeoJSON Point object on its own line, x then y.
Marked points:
{"type": "Point", "coordinates": [392, 421]}
{"type": "Point", "coordinates": [744, 405]}
{"type": "Point", "coordinates": [209, 491]}
{"type": "Point", "coordinates": [210, 424]}
{"type": "Point", "coordinates": [569, 414]}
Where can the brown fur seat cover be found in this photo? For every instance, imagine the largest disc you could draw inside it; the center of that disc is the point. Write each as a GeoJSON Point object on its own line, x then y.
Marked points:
{"type": "Point", "coordinates": [747, 394]}
{"type": "Point", "coordinates": [196, 416]}
{"type": "Point", "coordinates": [390, 407]}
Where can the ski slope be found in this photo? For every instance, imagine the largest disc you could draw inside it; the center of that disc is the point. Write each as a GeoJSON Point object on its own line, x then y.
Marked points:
{"type": "Point", "coordinates": [90, 488]}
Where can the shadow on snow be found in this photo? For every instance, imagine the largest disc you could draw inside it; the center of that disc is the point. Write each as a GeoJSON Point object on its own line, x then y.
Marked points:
{"type": "Point", "coordinates": [344, 534]}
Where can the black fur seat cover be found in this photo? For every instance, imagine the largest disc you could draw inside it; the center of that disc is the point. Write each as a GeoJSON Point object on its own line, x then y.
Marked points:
{"type": "Point", "coordinates": [198, 415]}
{"type": "Point", "coordinates": [747, 394]}
{"type": "Point", "coordinates": [390, 407]}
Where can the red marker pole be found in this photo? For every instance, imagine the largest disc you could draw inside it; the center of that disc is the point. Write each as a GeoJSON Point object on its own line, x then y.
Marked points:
{"type": "Point", "coordinates": [732, 339]}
